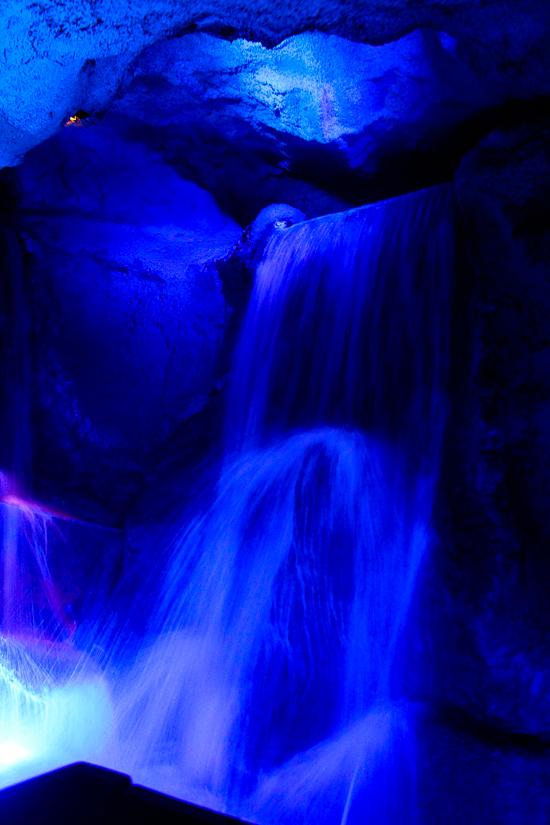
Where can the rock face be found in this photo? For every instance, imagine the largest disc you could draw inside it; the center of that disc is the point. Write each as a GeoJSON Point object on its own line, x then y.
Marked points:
{"type": "Point", "coordinates": [364, 100]}
{"type": "Point", "coordinates": [81, 56]}
{"type": "Point", "coordinates": [494, 516]}
{"type": "Point", "coordinates": [129, 313]}
{"type": "Point", "coordinates": [318, 121]}
{"type": "Point", "coordinates": [190, 121]}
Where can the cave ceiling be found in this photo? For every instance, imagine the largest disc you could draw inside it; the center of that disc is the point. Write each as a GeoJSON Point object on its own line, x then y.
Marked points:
{"type": "Point", "coordinates": [320, 92]}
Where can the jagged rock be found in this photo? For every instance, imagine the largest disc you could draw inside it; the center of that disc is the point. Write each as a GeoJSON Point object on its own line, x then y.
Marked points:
{"type": "Point", "coordinates": [77, 54]}
{"type": "Point", "coordinates": [365, 100]}
{"type": "Point", "coordinates": [315, 120]}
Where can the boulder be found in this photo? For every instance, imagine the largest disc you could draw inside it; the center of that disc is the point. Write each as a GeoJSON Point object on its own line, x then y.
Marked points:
{"type": "Point", "coordinates": [128, 312]}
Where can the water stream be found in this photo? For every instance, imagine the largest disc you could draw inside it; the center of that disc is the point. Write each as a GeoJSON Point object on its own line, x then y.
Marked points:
{"type": "Point", "coordinates": [55, 705]}
{"type": "Point", "coordinates": [269, 684]}
{"type": "Point", "coordinates": [265, 676]}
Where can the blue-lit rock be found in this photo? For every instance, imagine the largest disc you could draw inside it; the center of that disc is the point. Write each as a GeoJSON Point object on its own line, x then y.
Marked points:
{"type": "Point", "coordinates": [367, 100]}
{"type": "Point", "coordinates": [316, 106]}
{"type": "Point", "coordinates": [77, 54]}
{"type": "Point", "coordinates": [128, 308]}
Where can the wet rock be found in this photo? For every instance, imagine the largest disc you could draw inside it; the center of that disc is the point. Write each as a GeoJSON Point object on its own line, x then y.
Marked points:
{"type": "Point", "coordinates": [470, 773]}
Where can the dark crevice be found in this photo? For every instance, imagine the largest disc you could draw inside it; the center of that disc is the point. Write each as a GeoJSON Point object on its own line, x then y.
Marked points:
{"type": "Point", "coordinates": [487, 733]}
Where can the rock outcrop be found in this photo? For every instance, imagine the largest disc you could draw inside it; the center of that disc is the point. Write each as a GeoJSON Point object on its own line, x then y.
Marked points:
{"type": "Point", "coordinates": [494, 648]}
{"type": "Point", "coordinates": [128, 310]}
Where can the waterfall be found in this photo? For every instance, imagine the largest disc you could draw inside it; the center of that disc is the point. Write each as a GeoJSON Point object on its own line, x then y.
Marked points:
{"type": "Point", "coordinates": [54, 705]}
{"type": "Point", "coordinates": [347, 326]}
{"type": "Point", "coordinates": [268, 684]}
{"type": "Point", "coordinates": [258, 666]}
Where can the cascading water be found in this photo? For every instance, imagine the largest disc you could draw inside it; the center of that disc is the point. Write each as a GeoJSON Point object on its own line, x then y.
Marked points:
{"type": "Point", "coordinates": [347, 327]}
{"type": "Point", "coordinates": [259, 671]}
{"type": "Point", "coordinates": [29, 603]}
{"type": "Point", "coordinates": [54, 704]}
{"type": "Point", "coordinates": [280, 615]}
{"type": "Point", "coordinates": [268, 684]}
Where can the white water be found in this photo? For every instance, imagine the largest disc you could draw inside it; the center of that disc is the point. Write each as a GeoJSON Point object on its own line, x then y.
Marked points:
{"type": "Point", "coordinates": [267, 681]}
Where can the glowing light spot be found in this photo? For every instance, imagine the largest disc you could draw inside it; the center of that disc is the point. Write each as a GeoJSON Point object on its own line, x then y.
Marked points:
{"type": "Point", "coordinates": [78, 118]}
{"type": "Point", "coordinates": [11, 753]}
{"type": "Point", "coordinates": [55, 708]}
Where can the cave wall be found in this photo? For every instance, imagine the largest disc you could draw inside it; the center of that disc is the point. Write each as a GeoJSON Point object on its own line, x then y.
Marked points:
{"type": "Point", "coordinates": [132, 325]}
{"type": "Point", "coordinates": [134, 281]}
{"type": "Point", "coordinates": [78, 54]}
{"type": "Point", "coordinates": [497, 520]}
{"type": "Point", "coordinates": [128, 313]}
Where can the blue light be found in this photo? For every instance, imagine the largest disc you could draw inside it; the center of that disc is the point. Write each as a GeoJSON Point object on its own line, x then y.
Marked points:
{"type": "Point", "coordinates": [267, 680]}
{"type": "Point", "coordinates": [11, 753]}
{"type": "Point", "coordinates": [55, 708]}
{"type": "Point", "coordinates": [270, 682]}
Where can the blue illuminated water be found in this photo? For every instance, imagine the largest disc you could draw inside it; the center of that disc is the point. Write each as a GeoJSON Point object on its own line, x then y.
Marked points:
{"type": "Point", "coordinates": [55, 704]}
{"type": "Point", "coordinates": [259, 670]}
{"type": "Point", "coordinates": [269, 684]}
{"type": "Point", "coordinates": [347, 326]}
{"type": "Point", "coordinates": [281, 612]}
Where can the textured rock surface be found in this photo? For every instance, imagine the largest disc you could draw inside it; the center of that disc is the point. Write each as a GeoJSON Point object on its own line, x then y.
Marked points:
{"type": "Point", "coordinates": [128, 308]}
{"type": "Point", "coordinates": [470, 775]}
{"type": "Point", "coordinates": [494, 651]}
{"type": "Point", "coordinates": [130, 325]}
{"type": "Point", "coordinates": [319, 122]}
{"type": "Point", "coordinates": [78, 53]}
{"type": "Point", "coordinates": [366, 100]}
